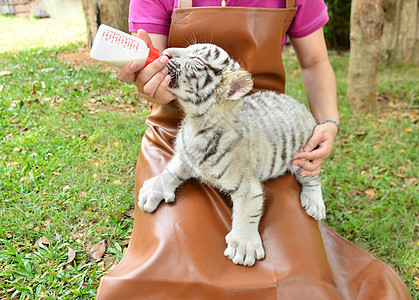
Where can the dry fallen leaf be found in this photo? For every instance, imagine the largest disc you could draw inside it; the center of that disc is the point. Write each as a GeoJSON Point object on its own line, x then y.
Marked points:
{"type": "Point", "coordinates": [78, 235]}
{"type": "Point", "coordinates": [24, 179]}
{"type": "Point", "coordinates": [125, 243]}
{"type": "Point", "coordinates": [411, 181]}
{"type": "Point", "coordinates": [117, 215]}
{"type": "Point", "coordinates": [71, 255]}
{"type": "Point", "coordinates": [66, 188]}
{"type": "Point", "coordinates": [13, 164]}
{"type": "Point", "coordinates": [353, 192]}
{"type": "Point", "coordinates": [41, 240]}
{"type": "Point", "coordinates": [360, 133]}
{"type": "Point", "coordinates": [369, 192]}
{"type": "Point", "coordinates": [106, 263]}
{"type": "Point", "coordinates": [396, 173]}
{"type": "Point", "coordinates": [129, 213]}
{"type": "Point", "coordinates": [47, 70]}
{"type": "Point", "coordinates": [98, 250]}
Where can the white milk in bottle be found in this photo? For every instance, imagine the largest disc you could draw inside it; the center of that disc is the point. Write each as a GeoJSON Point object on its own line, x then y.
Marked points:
{"type": "Point", "coordinates": [118, 48]}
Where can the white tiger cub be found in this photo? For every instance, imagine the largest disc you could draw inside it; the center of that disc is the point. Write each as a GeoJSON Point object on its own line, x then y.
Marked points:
{"type": "Point", "coordinates": [232, 142]}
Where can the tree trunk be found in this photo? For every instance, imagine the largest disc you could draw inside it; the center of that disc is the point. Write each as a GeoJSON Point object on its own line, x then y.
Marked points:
{"type": "Point", "coordinates": [366, 30]}
{"type": "Point", "coordinates": [110, 12]}
{"type": "Point", "coordinates": [400, 42]}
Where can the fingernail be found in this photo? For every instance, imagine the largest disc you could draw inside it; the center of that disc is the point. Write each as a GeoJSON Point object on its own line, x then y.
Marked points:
{"type": "Point", "coordinates": [307, 149]}
{"type": "Point", "coordinates": [134, 66]}
{"type": "Point", "coordinates": [164, 70]}
{"type": "Point", "coordinates": [164, 59]}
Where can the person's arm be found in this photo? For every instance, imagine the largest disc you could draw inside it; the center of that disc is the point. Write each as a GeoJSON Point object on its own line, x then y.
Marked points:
{"type": "Point", "coordinates": [153, 80]}
{"type": "Point", "coordinates": [320, 84]}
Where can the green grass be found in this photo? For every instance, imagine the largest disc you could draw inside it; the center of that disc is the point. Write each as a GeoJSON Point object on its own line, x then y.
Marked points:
{"type": "Point", "coordinates": [370, 181]}
{"type": "Point", "coordinates": [70, 137]}
{"type": "Point", "coordinates": [67, 162]}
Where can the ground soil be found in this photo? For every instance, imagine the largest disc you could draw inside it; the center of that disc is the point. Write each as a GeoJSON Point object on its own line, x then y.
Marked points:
{"type": "Point", "coordinates": [82, 58]}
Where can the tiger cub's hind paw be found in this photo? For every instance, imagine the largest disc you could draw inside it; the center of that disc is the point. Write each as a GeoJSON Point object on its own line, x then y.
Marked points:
{"type": "Point", "coordinates": [244, 250]}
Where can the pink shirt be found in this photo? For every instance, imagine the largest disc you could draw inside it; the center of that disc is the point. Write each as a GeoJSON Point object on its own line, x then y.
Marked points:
{"type": "Point", "coordinates": [154, 16]}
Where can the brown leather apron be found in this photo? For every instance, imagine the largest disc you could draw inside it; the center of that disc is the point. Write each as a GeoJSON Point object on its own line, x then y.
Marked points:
{"type": "Point", "coordinates": [177, 251]}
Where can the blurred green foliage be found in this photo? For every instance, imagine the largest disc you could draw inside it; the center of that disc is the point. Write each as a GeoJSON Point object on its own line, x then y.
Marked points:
{"type": "Point", "coordinates": [337, 29]}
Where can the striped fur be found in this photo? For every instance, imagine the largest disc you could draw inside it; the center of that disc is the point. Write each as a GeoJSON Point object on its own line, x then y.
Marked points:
{"type": "Point", "coordinates": [232, 142]}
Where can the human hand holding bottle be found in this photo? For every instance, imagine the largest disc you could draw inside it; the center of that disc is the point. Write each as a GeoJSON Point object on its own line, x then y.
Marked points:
{"type": "Point", "coordinates": [153, 80]}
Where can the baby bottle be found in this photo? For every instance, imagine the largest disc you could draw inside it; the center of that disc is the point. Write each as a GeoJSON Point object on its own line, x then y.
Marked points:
{"type": "Point", "coordinates": [118, 48]}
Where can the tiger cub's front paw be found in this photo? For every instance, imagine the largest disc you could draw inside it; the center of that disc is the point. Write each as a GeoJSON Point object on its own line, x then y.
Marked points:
{"type": "Point", "coordinates": [312, 201]}
{"type": "Point", "coordinates": [244, 249]}
{"type": "Point", "coordinates": [152, 193]}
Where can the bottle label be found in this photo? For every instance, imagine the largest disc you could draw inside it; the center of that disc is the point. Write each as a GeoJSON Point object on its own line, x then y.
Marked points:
{"type": "Point", "coordinates": [116, 39]}
{"type": "Point", "coordinates": [118, 48]}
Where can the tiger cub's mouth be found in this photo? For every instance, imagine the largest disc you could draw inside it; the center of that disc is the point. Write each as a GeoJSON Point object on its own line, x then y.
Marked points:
{"type": "Point", "coordinates": [173, 68]}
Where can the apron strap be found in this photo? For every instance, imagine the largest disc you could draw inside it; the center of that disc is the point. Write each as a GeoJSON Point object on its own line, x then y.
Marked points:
{"type": "Point", "coordinates": [184, 4]}
{"type": "Point", "coordinates": [188, 3]}
{"type": "Point", "coordinates": [290, 3]}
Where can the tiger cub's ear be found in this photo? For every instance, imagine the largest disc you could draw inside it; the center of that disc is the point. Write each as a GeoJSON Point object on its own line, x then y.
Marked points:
{"type": "Point", "coordinates": [235, 85]}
